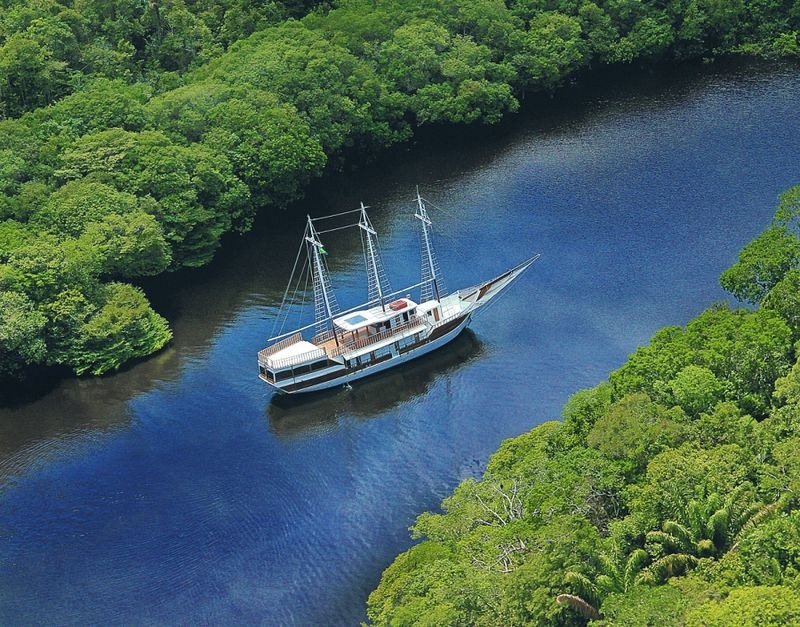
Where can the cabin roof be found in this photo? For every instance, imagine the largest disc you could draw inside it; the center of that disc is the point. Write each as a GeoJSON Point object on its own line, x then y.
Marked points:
{"type": "Point", "coordinates": [363, 318]}
{"type": "Point", "coordinates": [286, 356]}
{"type": "Point", "coordinates": [427, 306]}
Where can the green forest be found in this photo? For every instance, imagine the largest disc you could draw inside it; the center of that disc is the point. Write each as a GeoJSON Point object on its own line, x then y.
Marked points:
{"type": "Point", "coordinates": [667, 495]}
{"type": "Point", "coordinates": [135, 135]}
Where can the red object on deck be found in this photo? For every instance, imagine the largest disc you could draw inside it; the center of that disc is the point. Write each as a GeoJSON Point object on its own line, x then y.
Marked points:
{"type": "Point", "coordinates": [398, 305]}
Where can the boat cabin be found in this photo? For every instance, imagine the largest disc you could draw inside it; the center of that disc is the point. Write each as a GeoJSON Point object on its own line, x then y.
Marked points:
{"type": "Point", "coordinates": [430, 309]}
{"type": "Point", "coordinates": [368, 322]}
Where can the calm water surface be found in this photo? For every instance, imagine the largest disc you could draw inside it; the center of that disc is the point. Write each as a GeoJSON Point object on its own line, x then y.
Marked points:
{"type": "Point", "coordinates": [179, 492]}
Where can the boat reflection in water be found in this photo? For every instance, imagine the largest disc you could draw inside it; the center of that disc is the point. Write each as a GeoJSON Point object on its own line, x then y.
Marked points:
{"type": "Point", "coordinates": [299, 416]}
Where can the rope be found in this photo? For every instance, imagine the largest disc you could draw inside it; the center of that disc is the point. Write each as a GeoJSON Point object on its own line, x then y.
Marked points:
{"type": "Point", "coordinates": [288, 287]}
{"type": "Point", "coordinates": [336, 215]}
{"type": "Point", "coordinates": [303, 272]}
{"type": "Point", "coordinates": [337, 228]}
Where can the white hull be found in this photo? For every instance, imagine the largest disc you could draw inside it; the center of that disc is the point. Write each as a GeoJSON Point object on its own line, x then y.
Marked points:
{"type": "Point", "coordinates": [395, 360]}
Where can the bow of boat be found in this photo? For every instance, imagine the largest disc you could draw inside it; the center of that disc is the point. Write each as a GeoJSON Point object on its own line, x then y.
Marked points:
{"type": "Point", "coordinates": [480, 295]}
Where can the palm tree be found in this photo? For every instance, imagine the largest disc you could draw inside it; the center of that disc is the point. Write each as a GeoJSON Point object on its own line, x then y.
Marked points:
{"type": "Point", "coordinates": [614, 576]}
{"type": "Point", "coordinates": [760, 514]}
{"type": "Point", "coordinates": [709, 529]}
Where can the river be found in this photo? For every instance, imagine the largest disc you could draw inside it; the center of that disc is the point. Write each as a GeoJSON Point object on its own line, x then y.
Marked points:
{"type": "Point", "coordinates": [178, 491]}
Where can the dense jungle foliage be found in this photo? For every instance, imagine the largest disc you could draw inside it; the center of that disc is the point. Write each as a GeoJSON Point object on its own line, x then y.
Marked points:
{"type": "Point", "coordinates": [134, 135]}
{"type": "Point", "coordinates": [668, 495]}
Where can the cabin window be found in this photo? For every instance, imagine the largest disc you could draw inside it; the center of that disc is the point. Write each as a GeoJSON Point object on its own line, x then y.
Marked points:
{"type": "Point", "coordinates": [283, 375]}
{"type": "Point", "coordinates": [319, 365]}
{"type": "Point", "coordinates": [405, 316]}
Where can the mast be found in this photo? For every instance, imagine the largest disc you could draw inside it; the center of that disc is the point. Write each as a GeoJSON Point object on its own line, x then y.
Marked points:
{"type": "Point", "coordinates": [430, 269]}
{"type": "Point", "coordinates": [377, 283]}
{"type": "Point", "coordinates": [325, 305]}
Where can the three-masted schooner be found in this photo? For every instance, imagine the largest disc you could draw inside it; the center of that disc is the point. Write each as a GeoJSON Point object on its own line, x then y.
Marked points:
{"type": "Point", "coordinates": [385, 331]}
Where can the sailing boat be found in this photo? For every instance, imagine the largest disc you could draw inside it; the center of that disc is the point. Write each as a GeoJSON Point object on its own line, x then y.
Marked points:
{"type": "Point", "coordinates": [384, 332]}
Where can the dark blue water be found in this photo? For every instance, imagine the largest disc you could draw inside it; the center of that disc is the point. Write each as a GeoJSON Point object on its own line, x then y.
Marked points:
{"type": "Point", "coordinates": [179, 492]}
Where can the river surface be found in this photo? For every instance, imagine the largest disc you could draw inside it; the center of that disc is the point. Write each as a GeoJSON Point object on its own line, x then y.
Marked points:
{"type": "Point", "coordinates": [178, 491]}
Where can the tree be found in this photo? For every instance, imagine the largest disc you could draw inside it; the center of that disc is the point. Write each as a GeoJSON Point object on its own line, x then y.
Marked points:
{"type": "Point", "coordinates": [708, 529]}
{"type": "Point", "coordinates": [696, 389]}
{"type": "Point", "coordinates": [745, 350]}
{"type": "Point", "coordinates": [650, 38]}
{"type": "Point", "coordinates": [269, 145]}
{"type": "Point", "coordinates": [411, 59]}
{"type": "Point", "coordinates": [616, 576]}
{"type": "Point", "coordinates": [757, 605]}
{"type": "Point", "coordinates": [21, 333]}
{"type": "Point", "coordinates": [581, 412]}
{"type": "Point", "coordinates": [762, 264]}
{"type": "Point", "coordinates": [198, 198]}
{"type": "Point", "coordinates": [551, 50]}
{"type": "Point", "coordinates": [788, 212]}
{"type": "Point", "coordinates": [635, 429]}
{"type": "Point", "coordinates": [99, 105]}
{"type": "Point", "coordinates": [123, 328]}
{"type": "Point", "coordinates": [13, 235]}
{"type": "Point", "coordinates": [129, 246]}
{"type": "Point", "coordinates": [784, 298]}
{"type": "Point", "coordinates": [29, 75]}
{"type": "Point", "coordinates": [340, 95]}
{"type": "Point", "coordinates": [682, 475]}
{"type": "Point", "coordinates": [44, 267]}
{"type": "Point", "coordinates": [72, 207]}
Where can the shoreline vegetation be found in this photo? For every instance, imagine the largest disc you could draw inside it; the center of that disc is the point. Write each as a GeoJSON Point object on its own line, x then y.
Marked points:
{"type": "Point", "coordinates": [133, 136]}
{"type": "Point", "coordinates": [668, 494]}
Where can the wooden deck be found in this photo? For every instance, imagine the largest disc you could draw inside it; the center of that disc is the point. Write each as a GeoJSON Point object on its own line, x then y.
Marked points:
{"type": "Point", "coordinates": [359, 339]}
{"type": "Point", "coordinates": [347, 339]}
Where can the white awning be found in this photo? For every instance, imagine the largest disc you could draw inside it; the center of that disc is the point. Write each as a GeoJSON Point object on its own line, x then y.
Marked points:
{"type": "Point", "coordinates": [298, 352]}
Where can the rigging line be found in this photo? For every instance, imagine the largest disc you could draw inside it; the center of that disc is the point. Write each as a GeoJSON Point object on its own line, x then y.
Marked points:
{"type": "Point", "coordinates": [336, 228]}
{"type": "Point", "coordinates": [283, 313]}
{"type": "Point", "coordinates": [308, 277]}
{"type": "Point", "coordinates": [293, 300]}
{"type": "Point", "coordinates": [335, 215]}
{"type": "Point", "coordinates": [285, 293]}
{"type": "Point", "coordinates": [432, 204]}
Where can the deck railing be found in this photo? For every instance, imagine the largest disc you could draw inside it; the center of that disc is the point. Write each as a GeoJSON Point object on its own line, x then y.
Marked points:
{"type": "Point", "coordinates": [322, 337]}
{"type": "Point", "coordinates": [296, 360]}
{"type": "Point", "coordinates": [449, 319]}
{"type": "Point", "coordinates": [271, 350]}
{"type": "Point", "coordinates": [345, 347]}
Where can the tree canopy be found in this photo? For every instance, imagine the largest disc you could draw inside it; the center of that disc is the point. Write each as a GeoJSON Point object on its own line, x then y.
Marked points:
{"type": "Point", "coordinates": [135, 135]}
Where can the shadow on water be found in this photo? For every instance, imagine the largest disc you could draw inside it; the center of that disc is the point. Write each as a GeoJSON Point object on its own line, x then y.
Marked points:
{"type": "Point", "coordinates": [291, 417]}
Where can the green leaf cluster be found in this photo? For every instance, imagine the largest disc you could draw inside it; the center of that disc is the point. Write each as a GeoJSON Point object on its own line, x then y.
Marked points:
{"type": "Point", "coordinates": [135, 135]}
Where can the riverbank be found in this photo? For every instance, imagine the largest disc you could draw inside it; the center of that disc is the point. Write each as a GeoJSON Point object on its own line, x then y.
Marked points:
{"type": "Point", "coordinates": [669, 493]}
{"type": "Point", "coordinates": [116, 182]}
{"type": "Point", "coordinates": [181, 469]}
